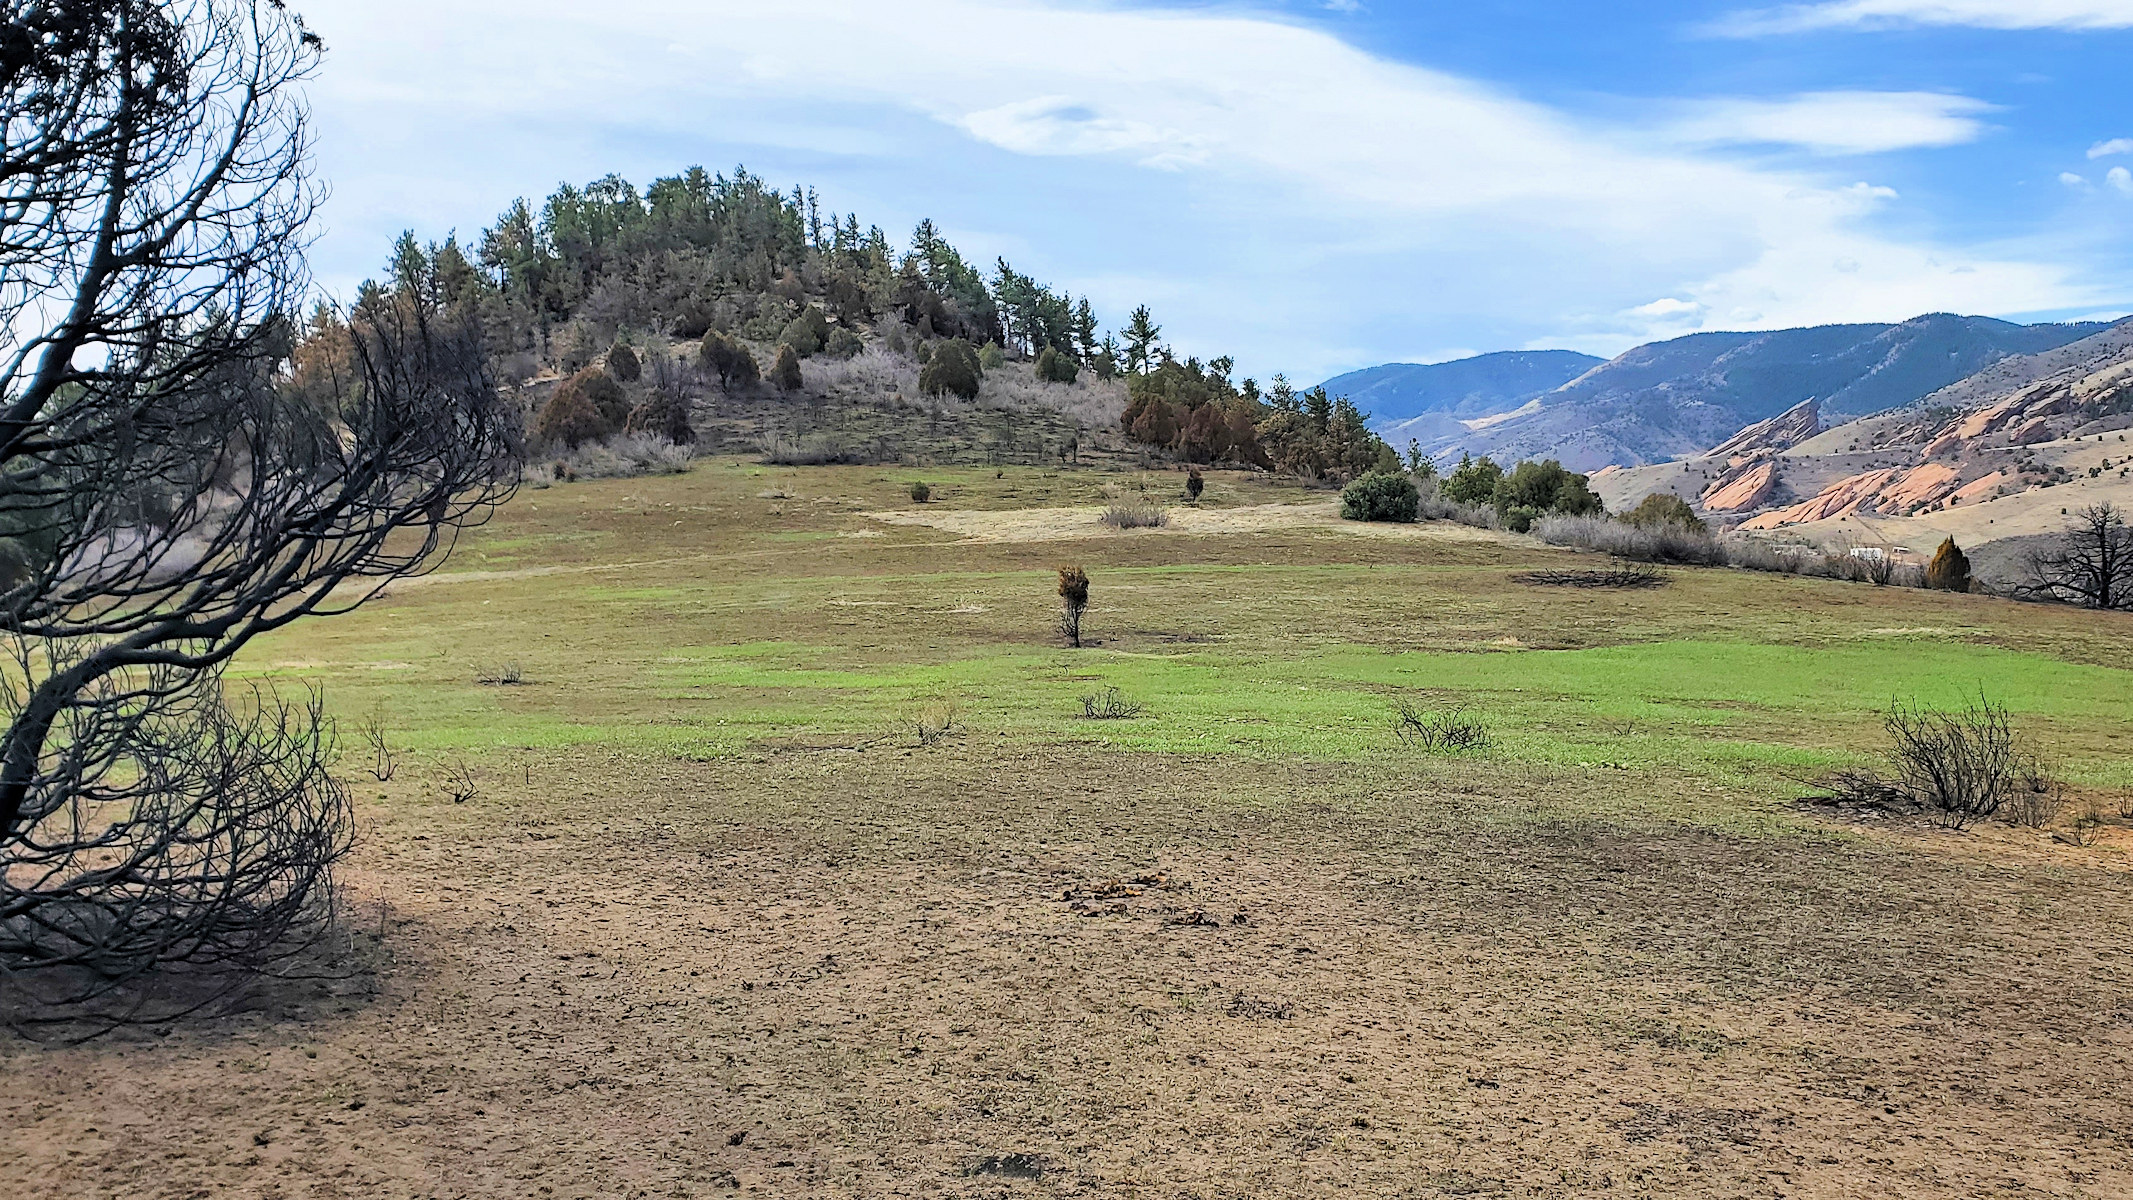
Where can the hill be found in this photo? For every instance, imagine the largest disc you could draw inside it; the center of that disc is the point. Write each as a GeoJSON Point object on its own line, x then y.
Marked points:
{"type": "Point", "coordinates": [1480, 386]}
{"type": "Point", "coordinates": [1673, 399]}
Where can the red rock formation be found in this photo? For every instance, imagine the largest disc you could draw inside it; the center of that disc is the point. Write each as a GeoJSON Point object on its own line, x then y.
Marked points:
{"type": "Point", "coordinates": [1741, 490]}
{"type": "Point", "coordinates": [1779, 433]}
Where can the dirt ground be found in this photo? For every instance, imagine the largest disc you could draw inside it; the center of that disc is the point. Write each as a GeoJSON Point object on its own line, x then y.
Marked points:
{"type": "Point", "coordinates": [696, 937]}
{"type": "Point", "coordinates": [830, 974]}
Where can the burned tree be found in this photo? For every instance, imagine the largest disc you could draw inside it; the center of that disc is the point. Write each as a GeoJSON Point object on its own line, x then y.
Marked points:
{"type": "Point", "coordinates": [2092, 564]}
{"type": "Point", "coordinates": [178, 476]}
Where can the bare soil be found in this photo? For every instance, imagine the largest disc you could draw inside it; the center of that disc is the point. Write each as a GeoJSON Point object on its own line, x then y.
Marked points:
{"type": "Point", "coordinates": [834, 974]}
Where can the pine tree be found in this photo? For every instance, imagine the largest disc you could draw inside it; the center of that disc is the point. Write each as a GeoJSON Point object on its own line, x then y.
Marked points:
{"type": "Point", "coordinates": [1141, 334]}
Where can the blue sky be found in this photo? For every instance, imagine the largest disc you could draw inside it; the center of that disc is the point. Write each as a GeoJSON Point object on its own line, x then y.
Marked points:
{"type": "Point", "coordinates": [1308, 186]}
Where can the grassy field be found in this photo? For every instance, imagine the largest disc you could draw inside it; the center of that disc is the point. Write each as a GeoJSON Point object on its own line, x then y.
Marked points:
{"type": "Point", "coordinates": [721, 916]}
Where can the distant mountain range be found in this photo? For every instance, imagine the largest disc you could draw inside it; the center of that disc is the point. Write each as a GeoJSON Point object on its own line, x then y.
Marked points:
{"type": "Point", "coordinates": [1671, 399]}
{"type": "Point", "coordinates": [1468, 387]}
{"type": "Point", "coordinates": [2001, 454]}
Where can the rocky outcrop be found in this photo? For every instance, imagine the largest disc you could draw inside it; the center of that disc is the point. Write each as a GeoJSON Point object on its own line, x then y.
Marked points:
{"type": "Point", "coordinates": [1779, 433]}
{"type": "Point", "coordinates": [1743, 490]}
{"type": "Point", "coordinates": [1840, 499]}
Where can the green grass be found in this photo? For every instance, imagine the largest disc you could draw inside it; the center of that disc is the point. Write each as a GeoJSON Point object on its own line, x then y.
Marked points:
{"type": "Point", "coordinates": [750, 625]}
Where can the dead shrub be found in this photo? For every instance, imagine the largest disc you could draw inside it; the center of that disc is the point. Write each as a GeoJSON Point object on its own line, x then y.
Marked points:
{"type": "Point", "coordinates": [382, 765]}
{"type": "Point", "coordinates": [1960, 764]}
{"type": "Point", "coordinates": [1858, 787]}
{"type": "Point", "coordinates": [501, 675]}
{"type": "Point", "coordinates": [1110, 705]}
{"type": "Point", "coordinates": [2038, 794]}
{"type": "Point", "coordinates": [1620, 574]}
{"type": "Point", "coordinates": [1445, 731]}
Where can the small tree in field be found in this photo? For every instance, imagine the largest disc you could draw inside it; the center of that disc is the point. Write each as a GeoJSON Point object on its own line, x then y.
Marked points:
{"type": "Point", "coordinates": [1073, 601]}
{"type": "Point", "coordinates": [1194, 485]}
{"type": "Point", "coordinates": [1950, 569]}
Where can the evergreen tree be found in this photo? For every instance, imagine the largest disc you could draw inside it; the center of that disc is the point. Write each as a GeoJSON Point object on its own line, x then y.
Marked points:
{"type": "Point", "coordinates": [785, 373]}
{"type": "Point", "coordinates": [1950, 569]}
{"type": "Point", "coordinates": [1141, 335]}
{"type": "Point", "coordinates": [952, 369]}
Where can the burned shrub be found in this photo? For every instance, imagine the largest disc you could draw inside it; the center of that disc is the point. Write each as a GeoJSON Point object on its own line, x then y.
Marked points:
{"type": "Point", "coordinates": [1447, 731]}
{"type": "Point", "coordinates": [1073, 602]}
{"type": "Point", "coordinates": [1960, 764]}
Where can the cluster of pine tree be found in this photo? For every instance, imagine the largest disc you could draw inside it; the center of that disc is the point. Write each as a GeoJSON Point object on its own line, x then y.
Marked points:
{"type": "Point", "coordinates": [742, 268]}
{"type": "Point", "coordinates": [1193, 410]}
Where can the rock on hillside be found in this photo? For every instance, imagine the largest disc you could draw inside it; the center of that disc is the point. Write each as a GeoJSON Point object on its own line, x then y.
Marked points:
{"type": "Point", "coordinates": [1481, 386]}
{"type": "Point", "coordinates": [1781, 432]}
{"type": "Point", "coordinates": [1670, 400]}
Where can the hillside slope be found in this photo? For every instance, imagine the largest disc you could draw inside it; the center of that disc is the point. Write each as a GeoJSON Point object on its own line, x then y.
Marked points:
{"type": "Point", "coordinates": [1673, 399]}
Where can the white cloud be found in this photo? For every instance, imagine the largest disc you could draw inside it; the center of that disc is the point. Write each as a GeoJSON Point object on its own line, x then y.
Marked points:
{"type": "Point", "coordinates": [2121, 179]}
{"type": "Point", "coordinates": [1317, 205]}
{"type": "Point", "coordinates": [2114, 146]}
{"type": "Point", "coordinates": [2077, 182]}
{"type": "Point", "coordinates": [1837, 122]}
{"type": "Point", "coordinates": [1887, 14]}
{"type": "Point", "coordinates": [1344, 6]}
{"type": "Point", "coordinates": [1057, 125]}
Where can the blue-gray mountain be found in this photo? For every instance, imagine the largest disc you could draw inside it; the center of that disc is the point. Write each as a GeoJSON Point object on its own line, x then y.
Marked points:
{"type": "Point", "coordinates": [1467, 387]}
{"type": "Point", "coordinates": [1668, 399]}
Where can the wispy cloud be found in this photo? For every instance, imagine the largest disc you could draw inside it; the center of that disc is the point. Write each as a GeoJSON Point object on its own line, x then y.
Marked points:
{"type": "Point", "coordinates": [1837, 122]}
{"type": "Point", "coordinates": [1274, 189]}
{"type": "Point", "coordinates": [2114, 146]}
{"type": "Point", "coordinates": [1888, 14]}
{"type": "Point", "coordinates": [2121, 179]}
